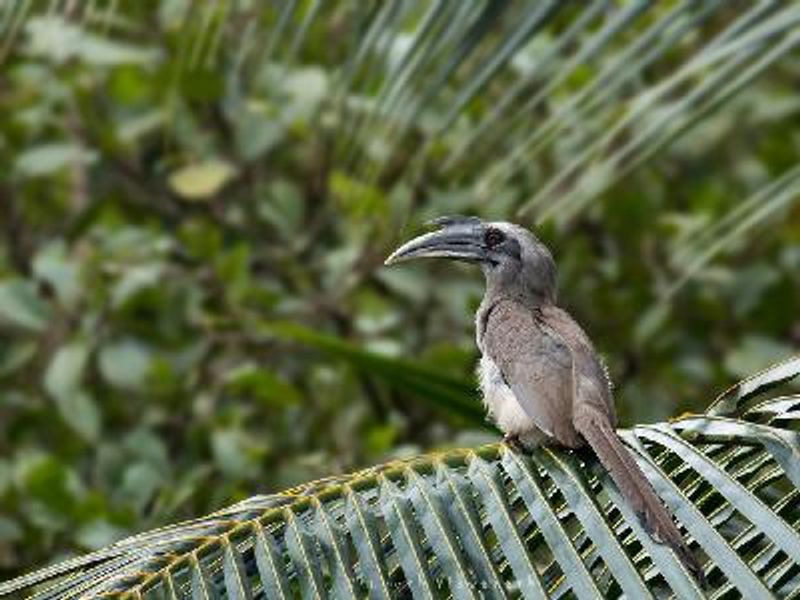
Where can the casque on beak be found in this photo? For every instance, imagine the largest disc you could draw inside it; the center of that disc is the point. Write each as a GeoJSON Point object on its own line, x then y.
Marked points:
{"type": "Point", "coordinates": [460, 238]}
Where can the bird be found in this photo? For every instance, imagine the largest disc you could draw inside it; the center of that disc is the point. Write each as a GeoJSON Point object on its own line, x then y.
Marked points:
{"type": "Point", "coordinates": [542, 381]}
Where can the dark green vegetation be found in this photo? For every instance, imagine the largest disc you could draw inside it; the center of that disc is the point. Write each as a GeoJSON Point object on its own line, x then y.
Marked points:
{"type": "Point", "coordinates": [196, 199]}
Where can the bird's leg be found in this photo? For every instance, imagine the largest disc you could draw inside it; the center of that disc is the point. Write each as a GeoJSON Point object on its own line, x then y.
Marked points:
{"type": "Point", "coordinates": [586, 454]}
{"type": "Point", "coordinates": [512, 441]}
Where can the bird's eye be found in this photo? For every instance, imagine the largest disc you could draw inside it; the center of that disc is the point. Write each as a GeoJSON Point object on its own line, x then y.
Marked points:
{"type": "Point", "coordinates": [494, 237]}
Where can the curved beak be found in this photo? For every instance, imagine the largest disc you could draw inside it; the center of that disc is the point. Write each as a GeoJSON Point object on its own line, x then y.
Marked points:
{"type": "Point", "coordinates": [460, 239]}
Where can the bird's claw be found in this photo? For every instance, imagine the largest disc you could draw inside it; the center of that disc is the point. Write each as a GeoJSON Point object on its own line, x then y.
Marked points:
{"type": "Point", "coordinates": [513, 442]}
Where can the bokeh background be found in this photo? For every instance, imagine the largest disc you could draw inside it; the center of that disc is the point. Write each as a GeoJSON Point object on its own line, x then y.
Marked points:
{"type": "Point", "coordinates": [197, 197]}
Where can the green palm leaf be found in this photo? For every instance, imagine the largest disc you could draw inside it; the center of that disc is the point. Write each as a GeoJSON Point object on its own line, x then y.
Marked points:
{"type": "Point", "coordinates": [608, 85]}
{"type": "Point", "coordinates": [456, 396]}
{"type": "Point", "coordinates": [489, 522]}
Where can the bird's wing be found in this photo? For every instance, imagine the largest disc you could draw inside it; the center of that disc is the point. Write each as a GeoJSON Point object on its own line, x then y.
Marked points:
{"type": "Point", "coordinates": [537, 365]}
{"type": "Point", "coordinates": [592, 385]}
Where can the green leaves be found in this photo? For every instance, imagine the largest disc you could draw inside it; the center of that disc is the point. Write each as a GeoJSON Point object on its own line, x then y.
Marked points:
{"type": "Point", "coordinates": [65, 372]}
{"type": "Point", "coordinates": [58, 40]}
{"type": "Point", "coordinates": [442, 391]}
{"type": "Point", "coordinates": [754, 354]}
{"type": "Point", "coordinates": [51, 158]}
{"type": "Point", "coordinates": [14, 356]}
{"type": "Point", "coordinates": [64, 382]}
{"type": "Point", "coordinates": [733, 401]}
{"type": "Point", "coordinates": [21, 306]}
{"type": "Point", "coordinates": [261, 384]}
{"type": "Point", "coordinates": [125, 364]}
{"type": "Point", "coordinates": [489, 522]}
{"type": "Point", "coordinates": [202, 180]}
{"type": "Point", "coordinates": [53, 266]}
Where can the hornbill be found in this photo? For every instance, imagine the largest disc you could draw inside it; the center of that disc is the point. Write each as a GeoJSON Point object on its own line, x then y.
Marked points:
{"type": "Point", "coordinates": [541, 379]}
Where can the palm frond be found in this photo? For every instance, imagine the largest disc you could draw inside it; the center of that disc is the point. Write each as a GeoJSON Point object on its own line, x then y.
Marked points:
{"type": "Point", "coordinates": [695, 253]}
{"type": "Point", "coordinates": [488, 522]}
{"type": "Point", "coordinates": [456, 396]}
{"type": "Point", "coordinates": [617, 81]}
{"type": "Point", "coordinates": [564, 99]}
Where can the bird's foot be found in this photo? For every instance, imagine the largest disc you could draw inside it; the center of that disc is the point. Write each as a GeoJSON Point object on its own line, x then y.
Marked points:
{"type": "Point", "coordinates": [512, 441]}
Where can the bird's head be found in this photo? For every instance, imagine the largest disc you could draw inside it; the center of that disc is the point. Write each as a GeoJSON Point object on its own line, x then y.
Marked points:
{"type": "Point", "coordinates": [512, 258]}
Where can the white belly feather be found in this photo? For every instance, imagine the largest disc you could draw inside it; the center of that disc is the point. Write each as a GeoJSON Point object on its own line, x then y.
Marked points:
{"type": "Point", "coordinates": [503, 406]}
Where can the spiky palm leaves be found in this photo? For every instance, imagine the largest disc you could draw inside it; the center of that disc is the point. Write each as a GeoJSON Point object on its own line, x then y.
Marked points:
{"type": "Point", "coordinates": [480, 94]}
{"type": "Point", "coordinates": [490, 522]}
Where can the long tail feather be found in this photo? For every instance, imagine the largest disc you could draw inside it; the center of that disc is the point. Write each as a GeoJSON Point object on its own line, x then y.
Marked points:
{"type": "Point", "coordinates": [636, 489]}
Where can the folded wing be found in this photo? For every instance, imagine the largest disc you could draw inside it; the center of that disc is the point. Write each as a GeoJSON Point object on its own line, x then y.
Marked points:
{"type": "Point", "coordinates": [537, 365]}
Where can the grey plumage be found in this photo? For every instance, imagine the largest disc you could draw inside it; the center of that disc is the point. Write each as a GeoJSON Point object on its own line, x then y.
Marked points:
{"type": "Point", "coordinates": [542, 380]}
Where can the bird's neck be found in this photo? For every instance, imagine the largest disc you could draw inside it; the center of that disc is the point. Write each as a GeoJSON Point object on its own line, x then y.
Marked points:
{"type": "Point", "coordinates": [516, 291]}
{"type": "Point", "coordinates": [526, 298]}
{"type": "Point", "coordinates": [531, 283]}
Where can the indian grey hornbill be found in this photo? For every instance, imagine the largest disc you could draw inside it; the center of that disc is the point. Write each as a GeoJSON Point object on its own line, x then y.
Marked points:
{"type": "Point", "coordinates": [542, 381]}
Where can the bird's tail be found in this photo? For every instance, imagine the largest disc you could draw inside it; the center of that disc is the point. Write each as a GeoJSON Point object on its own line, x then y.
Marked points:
{"type": "Point", "coordinates": [636, 489]}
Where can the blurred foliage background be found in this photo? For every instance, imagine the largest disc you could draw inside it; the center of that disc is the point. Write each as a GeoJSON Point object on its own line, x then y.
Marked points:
{"type": "Point", "coordinates": [197, 198]}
